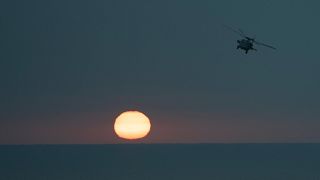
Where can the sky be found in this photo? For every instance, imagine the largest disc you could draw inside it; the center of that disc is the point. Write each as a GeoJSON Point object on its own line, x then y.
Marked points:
{"type": "Point", "coordinates": [68, 68]}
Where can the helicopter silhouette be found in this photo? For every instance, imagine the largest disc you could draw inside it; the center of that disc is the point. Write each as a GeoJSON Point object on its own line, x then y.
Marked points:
{"type": "Point", "coordinates": [247, 42]}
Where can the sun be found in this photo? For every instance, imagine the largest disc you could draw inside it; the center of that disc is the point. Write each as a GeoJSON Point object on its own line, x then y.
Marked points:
{"type": "Point", "coordinates": [132, 125]}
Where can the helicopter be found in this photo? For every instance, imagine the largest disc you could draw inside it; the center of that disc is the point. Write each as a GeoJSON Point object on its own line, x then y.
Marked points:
{"type": "Point", "coordinates": [247, 42]}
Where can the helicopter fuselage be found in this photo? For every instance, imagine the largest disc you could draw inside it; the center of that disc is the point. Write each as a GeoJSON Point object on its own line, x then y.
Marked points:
{"type": "Point", "coordinates": [245, 44]}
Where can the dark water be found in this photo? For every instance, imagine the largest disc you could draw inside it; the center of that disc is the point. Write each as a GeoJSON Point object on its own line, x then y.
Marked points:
{"type": "Point", "coordinates": [194, 161]}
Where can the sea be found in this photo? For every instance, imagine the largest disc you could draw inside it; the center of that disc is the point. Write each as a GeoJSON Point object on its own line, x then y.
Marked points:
{"type": "Point", "coordinates": [161, 162]}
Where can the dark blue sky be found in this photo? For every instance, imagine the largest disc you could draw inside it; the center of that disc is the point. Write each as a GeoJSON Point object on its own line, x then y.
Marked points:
{"type": "Point", "coordinates": [68, 68]}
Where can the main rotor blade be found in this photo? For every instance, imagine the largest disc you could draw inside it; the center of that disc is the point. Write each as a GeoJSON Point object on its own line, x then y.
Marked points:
{"type": "Point", "coordinates": [242, 33]}
{"type": "Point", "coordinates": [266, 45]}
{"type": "Point", "coordinates": [239, 32]}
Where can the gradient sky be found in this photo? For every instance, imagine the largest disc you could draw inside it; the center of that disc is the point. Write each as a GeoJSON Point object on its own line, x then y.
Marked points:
{"type": "Point", "coordinates": [69, 67]}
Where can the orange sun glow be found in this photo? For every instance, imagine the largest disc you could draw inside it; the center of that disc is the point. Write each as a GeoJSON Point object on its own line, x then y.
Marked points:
{"type": "Point", "coordinates": [132, 125]}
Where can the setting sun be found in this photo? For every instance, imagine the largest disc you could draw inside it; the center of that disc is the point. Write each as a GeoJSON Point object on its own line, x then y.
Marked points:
{"type": "Point", "coordinates": [132, 125]}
